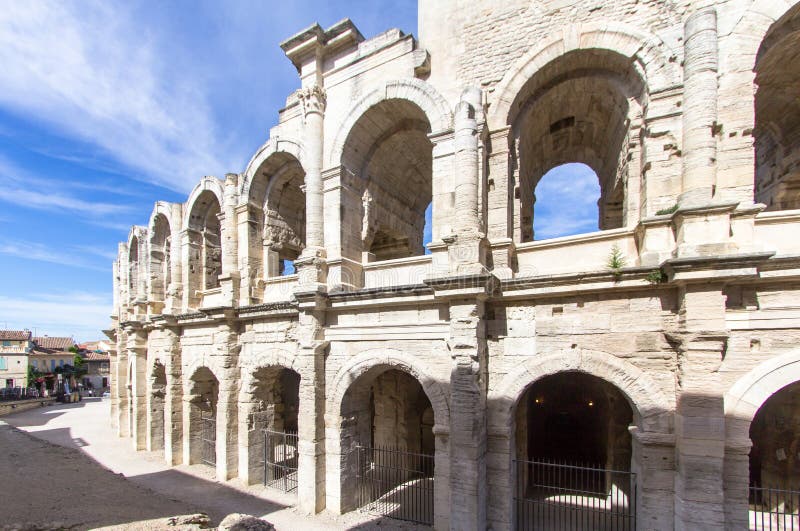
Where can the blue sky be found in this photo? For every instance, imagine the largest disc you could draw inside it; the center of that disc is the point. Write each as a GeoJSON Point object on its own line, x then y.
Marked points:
{"type": "Point", "coordinates": [106, 107]}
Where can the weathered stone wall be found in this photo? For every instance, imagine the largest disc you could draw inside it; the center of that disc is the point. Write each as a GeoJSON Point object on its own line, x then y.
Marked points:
{"type": "Point", "coordinates": [696, 330]}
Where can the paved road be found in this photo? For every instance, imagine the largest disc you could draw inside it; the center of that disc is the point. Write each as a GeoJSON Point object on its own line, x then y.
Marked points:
{"type": "Point", "coordinates": [64, 465]}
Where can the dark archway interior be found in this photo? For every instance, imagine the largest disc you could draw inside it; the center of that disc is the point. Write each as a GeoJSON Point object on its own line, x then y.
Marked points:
{"type": "Point", "coordinates": [583, 107]}
{"type": "Point", "coordinates": [389, 159]}
{"type": "Point", "coordinates": [133, 269]}
{"type": "Point", "coordinates": [204, 397]}
{"type": "Point", "coordinates": [387, 412]}
{"type": "Point", "coordinates": [205, 238]}
{"type": "Point", "coordinates": [775, 434]}
{"type": "Point", "coordinates": [777, 103]}
{"type": "Point", "coordinates": [160, 241]}
{"type": "Point", "coordinates": [575, 418]}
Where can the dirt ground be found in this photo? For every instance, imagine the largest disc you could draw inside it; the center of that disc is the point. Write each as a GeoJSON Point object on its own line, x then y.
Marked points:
{"type": "Point", "coordinates": [64, 468]}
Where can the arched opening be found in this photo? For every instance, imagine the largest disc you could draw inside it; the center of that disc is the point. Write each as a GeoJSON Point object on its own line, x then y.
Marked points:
{"type": "Point", "coordinates": [388, 446]}
{"type": "Point", "coordinates": [568, 197]}
{"type": "Point", "coordinates": [389, 158]}
{"type": "Point", "coordinates": [777, 106]}
{"type": "Point", "coordinates": [775, 462]}
{"type": "Point", "coordinates": [573, 454]}
{"type": "Point", "coordinates": [583, 107]}
{"type": "Point", "coordinates": [158, 391]}
{"type": "Point", "coordinates": [273, 404]}
{"type": "Point", "coordinates": [278, 206]}
{"type": "Point", "coordinates": [203, 400]}
{"type": "Point", "coordinates": [133, 270]}
{"type": "Point", "coordinates": [160, 273]}
{"type": "Point", "coordinates": [205, 242]}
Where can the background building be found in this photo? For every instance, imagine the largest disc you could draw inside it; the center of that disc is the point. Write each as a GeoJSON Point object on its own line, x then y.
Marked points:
{"type": "Point", "coordinates": [14, 348]}
{"type": "Point", "coordinates": [647, 370]}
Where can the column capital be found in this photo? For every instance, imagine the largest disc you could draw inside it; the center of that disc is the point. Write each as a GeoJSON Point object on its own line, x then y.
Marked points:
{"type": "Point", "coordinates": [313, 99]}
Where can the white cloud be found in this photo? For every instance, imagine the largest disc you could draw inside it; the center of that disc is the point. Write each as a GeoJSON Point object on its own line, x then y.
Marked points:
{"type": "Point", "coordinates": [68, 256]}
{"type": "Point", "coordinates": [93, 71]}
{"type": "Point", "coordinates": [81, 315]}
{"type": "Point", "coordinates": [566, 202]}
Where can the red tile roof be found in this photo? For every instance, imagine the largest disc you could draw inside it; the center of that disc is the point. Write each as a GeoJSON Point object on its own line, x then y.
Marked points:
{"type": "Point", "coordinates": [15, 335]}
{"type": "Point", "coordinates": [54, 342]}
{"type": "Point", "coordinates": [95, 356]}
{"type": "Point", "coordinates": [49, 352]}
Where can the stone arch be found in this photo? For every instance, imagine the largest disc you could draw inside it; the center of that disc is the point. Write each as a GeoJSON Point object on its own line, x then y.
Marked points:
{"type": "Point", "coordinates": [646, 50]}
{"type": "Point", "coordinates": [160, 229]}
{"type": "Point", "coordinates": [742, 401]}
{"type": "Point", "coordinates": [395, 359]}
{"type": "Point", "coordinates": [416, 91]}
{"type": "Point", "coordinates": [270, 358]}
{"type": "Point", "coordinates": [749, 393]}
{"type": "Point", "coordinates": [207, 183]}
{"type": "Point", "coordinates": [651, 406]}
{"type": "Point", "coordinates": [137, 264]}
{"type": "Point", "coordinates": [271, 147]}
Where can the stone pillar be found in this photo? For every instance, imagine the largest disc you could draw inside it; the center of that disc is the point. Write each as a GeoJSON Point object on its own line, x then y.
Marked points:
{"type": "Point", "coordinates": [120, 386]}
{"type": "Point", "coordinates": [500, 202]}
{"type": "Point", "coordinates": [137, 361]}
{"type": "Point", "coordinates": [468, 486]}
{"type": "Point", "coordinates": [229, 280]}
{"type": "Point", "coordinates": [467, 164]}
{"type": "Point", "coordinates": [173, 407]}
{"type": "Point", "coordinates": [464, 246]}
{"type": "Point", "coordinates": [699, 150]}
{"type": "Point", "coordinates": [250, 253]}
{"type": "Point", "coordinates": [700, 415]}
{"type": "Point", "coordinates": [227, 426]}
{"type": "Point", "coordinates": [311, 414]}
{"type": "Point", "coordinates": [737, 482]}
{"type": "Point", "coordinates": [175, 288]}
{"type": "Point", "coordinates": [653, 461]}
{"type": "Point", "coordinates": [190, 248]}
{"type": "Point", "coordinates": [313, 102]}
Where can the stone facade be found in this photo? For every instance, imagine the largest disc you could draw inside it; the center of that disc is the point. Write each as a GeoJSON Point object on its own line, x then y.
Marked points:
{"type": "Point", "coordinates": [687, 111]}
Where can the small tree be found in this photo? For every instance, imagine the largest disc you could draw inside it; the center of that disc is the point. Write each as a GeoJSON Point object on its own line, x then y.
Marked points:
{"type": "Point", "coordinates": [33, 374]}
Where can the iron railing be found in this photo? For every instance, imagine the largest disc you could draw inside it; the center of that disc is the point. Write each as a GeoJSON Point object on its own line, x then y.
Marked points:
{"type": "Point", "coordinates": [395, 483]}
{"type": "Point", "coordinates": [553, 495]}
{"type": "Point", "coordinates": [280, 460]}
{"type": "Point", "coordinates": [208, 438]}
{"type": "Point", "coordinates": [774, 509]}
{"type": "Point", "coordinates": [18, 393]}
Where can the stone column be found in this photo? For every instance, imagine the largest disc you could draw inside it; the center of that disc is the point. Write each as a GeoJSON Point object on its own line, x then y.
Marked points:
{"type": "Point", "coordinates": [500, 202]}
{"type": "Point", "coordinates": [313, 101]}
{"type": "Point", "coordinates": [250, 253]}
{"type": "Point", "coordinates": [699, 150]}
{"type": "Point", "coordinates": [137, 353]}
{"type": "Point", "coordinates": [189, 247]}
{"type": "Point", "coordinates": [173, 406]}
{"type": "Point", "coordinates": [227, 426]}
{"type": "Point", "coordinates": [464, 246]}
{"type": "Point", "coordinates": [468, 486]}
{"type": "Point", "coordinates": [311, 414]}
{"type": "Point", "coordinates": [700, 415]}
{"type": "Point", "coordinates": [737, 483]}
{"type": "Point", "coordinates": [175, 288]}
{"type": "Point", "coordinates": [229, 280]}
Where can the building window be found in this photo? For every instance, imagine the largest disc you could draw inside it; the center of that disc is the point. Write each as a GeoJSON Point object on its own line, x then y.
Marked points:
{"type": "Point", "coordinates": [35, 364]}
{"type": "Point", "coordinates": [52, 365]}
{"type": "Point", "coordinates": [6, 343]}
{"type": "Point", "coordinates": [10, 382]}
{"type": "Point", "coordinates": [61, 363]}
{"type": "Point", "coordinates": [3, 365]}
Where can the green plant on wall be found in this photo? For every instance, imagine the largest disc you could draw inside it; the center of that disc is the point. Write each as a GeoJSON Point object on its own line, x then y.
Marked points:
{"type": "Point", "coordinates": [616, 260]}
{"type": "Point", "coordinates": [657, 276]}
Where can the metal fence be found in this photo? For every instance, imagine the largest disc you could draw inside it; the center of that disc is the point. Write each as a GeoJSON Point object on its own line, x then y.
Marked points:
{"type": "Point", "coordinates": [280, 460]}
{"type": "Point", "coordinates": [571, 497]}
{"type": "Point", "coordinates": [208, 438]}
{"type": "Point", "coordinates": [395, 483]}
{"type": "Point", "coordinates": [18, 393]}
{"type": "Point", "coordinates": [774, 509]}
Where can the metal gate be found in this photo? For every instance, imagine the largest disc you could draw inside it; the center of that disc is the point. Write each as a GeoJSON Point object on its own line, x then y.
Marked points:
{"type": "Point", "coordinates": [280, 460]}
{"type": "Point", "coordinates": [395, 483]}
{"type": "Point", "coordinates": [562, 496]}
{"type": "Point", "coordinates": [208, 438]}
{"type": "Point", "coordinates": [774, 509]}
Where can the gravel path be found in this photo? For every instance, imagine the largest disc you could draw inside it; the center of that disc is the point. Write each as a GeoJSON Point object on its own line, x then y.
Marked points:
{"type": "Point", "coordinates": [64, 468]}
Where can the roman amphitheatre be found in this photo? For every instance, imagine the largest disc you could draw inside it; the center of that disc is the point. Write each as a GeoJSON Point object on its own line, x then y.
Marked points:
{"type": "Point", "coordinates": [290, 325]}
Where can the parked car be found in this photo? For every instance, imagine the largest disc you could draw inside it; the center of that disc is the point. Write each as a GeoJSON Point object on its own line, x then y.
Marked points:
{"type": "Point", "coordinates": [106, 395]}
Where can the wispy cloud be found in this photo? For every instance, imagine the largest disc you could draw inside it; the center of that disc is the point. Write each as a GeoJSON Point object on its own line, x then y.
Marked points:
{"type": "Point", "coordinates": [91, 70]}
{"type": "Point", "coordinates": [79, 314]}
{"type": "Point", "coordinates": [72, 256]}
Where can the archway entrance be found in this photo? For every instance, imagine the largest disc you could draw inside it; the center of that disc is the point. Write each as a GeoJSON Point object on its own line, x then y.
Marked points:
{"type": "Point", "coordinates": [387, 437]}
{"type": "Point", "coordinates": [274, 400]}
{"type": "Point", "coordinates": [203, 418]}
{"type": "Point", "coordinates": [573, 455]}
{"type": "Point", "coordinates": [775, 462]}
{"type": "Point", "coordinates": [158, 391]}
